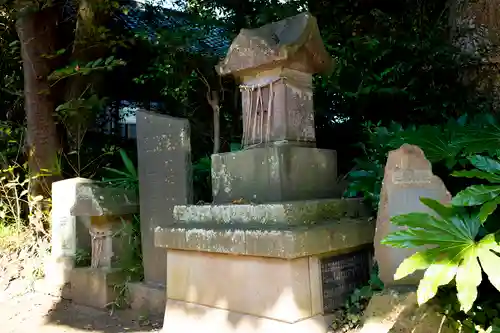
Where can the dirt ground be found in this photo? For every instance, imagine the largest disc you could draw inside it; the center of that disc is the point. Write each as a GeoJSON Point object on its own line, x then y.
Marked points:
{"type": "Point", "coordinates": [24, 309]}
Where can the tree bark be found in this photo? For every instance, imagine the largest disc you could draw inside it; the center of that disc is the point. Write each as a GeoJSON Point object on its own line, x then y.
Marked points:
{"type": "Point", "coordinates": [475, 29]}
{"type": "Point", "coordinates": [37, 32]}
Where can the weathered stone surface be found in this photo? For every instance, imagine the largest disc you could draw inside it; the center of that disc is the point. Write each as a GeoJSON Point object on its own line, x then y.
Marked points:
{"type": "Point", "coordinates": [278, 109]}
{"type": "Point", "coordinates": [147, 298]}
{"type": "Point", "coordinates": [69, 232]}
{"type": "Point", "coordinates": [280, 242]}
{"type": "Point", "coordinates": [294, 42]}
{"type": "Point", "coordinates": [97, 199]}
{"type": "Point", "coordinates": [110, 240]}
{"type": "Point", "coordinates": [182, 317]}
{"type": "Point", "coordinates": [407, 178]}
{"type": "Point", "coordinates": [290, 213]}
{"type": "Point", "coordinates": [397, 311]}
{"type": "Point", "coordinates": [274, 174]}
{"type": "Point", "coordinates": [95, 287]}
{"type": "Point", "coordinates": [164, 154]}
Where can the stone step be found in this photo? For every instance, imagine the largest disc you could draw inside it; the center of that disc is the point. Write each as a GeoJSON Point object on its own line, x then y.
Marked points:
{"type": "Point", "coordinates": [285, 241]}
{"type": "Point", "coordinates": [307, 212]}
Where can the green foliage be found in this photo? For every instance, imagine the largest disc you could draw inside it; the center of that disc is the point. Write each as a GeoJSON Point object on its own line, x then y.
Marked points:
{"type": "Point", "coordinates": [488, 196]}
{"type": "Point", "coordinates": [126, 179]}
{"type": "Point", "coordinates": [130, 259]}
{"type": "Point", "coordinates": [448, 145]}
{"type": "Point", "coordinates": [455, 244]}
{"type": "Point", "coordinates": [394, 62]}
{"type": "Point", "coordinates": [454, 253]}
{"type": "Point", "coordinates": [349, 316]}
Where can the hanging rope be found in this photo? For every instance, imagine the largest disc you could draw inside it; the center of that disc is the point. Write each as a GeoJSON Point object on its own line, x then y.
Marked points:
{"type": "Point", "coordinates": [255, 119]}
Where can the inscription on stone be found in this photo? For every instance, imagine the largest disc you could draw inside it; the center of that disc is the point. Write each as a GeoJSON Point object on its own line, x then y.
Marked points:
{"type": "Point", "coordinates": [412, 177]}
{"type": "Point", "coordinates": [164, 154]}
{"type": "Point", "coordinates": [341, 274]}
{"type": "Point", "coordinates": [408, 177]}
{"type": "Point", "coordinates": [64, 236]}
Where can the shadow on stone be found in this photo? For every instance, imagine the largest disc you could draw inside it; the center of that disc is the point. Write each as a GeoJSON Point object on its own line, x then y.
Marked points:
{"type": "Point", "coordinates": [66, 313]}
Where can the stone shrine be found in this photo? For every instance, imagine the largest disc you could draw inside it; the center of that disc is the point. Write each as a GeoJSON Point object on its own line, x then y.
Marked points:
{"type": "Point", "coordinates": [87, 215]}
{"type": "Point", "coordinates": [276, 251]}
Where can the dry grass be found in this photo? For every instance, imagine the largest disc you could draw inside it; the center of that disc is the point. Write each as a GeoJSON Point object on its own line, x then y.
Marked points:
{"type": "Point", "coordinates": [22, 253]}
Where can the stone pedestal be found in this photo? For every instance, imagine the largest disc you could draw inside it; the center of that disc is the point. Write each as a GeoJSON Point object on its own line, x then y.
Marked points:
{"type": "Point", "coordinates": [96, 287]}
{"type": "Point", "coordinates": [273, 174]}
{"type": "Point", "coordinates": [263, 268]}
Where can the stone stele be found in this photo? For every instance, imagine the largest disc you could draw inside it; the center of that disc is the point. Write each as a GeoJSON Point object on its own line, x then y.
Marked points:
{"type": "Point", "coordinates": [408, 177]}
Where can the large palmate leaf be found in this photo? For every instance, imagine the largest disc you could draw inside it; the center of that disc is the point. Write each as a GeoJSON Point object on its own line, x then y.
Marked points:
{"type": "Point", "coordinates": [487, 195]}
{"type": "Point", "coordinates": [452, 251]}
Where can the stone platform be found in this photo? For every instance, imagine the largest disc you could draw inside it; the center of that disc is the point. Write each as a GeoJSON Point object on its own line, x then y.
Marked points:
{"type": "Point", "coordinates": [264, 268]}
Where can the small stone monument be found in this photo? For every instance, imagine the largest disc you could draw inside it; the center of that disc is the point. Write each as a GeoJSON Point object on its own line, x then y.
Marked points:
{"type": "Point", "coordinates": [276, 251]}
{"type": "Point", "coordinates": [408, 177]}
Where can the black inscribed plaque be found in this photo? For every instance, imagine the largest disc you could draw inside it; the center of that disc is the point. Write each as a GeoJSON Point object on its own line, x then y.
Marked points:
{"type": "Point", "coordinates": [341, 274]}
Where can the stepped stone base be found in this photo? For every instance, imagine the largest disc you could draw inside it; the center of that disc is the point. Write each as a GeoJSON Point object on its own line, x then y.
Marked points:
{"type": "Point", "coordinates": [276, 267]}
{"type": "Point", "coordinates": [182, 317]}
{"type": "Point", "coordinates": [306, 212]}
{"type": "Point", "coordinates": [286, 242]}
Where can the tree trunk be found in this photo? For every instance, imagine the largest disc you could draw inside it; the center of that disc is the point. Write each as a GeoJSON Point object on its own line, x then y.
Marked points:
{"type": "Point", "coordinates": [476, 30]}
{"type": "Point", "coordinates": [37, 32]}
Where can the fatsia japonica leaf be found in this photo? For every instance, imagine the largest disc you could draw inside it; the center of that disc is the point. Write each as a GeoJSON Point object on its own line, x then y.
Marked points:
{"type": "Point", "coordinates": [487, 209]}
{"type": "Point", "coordinates": [485, 163]}
{"type": "Point", "coordinates": [491, 177]}
{"type": "Point", "coordinates": [476, 195]}
{"type": "Point", "coordinates": [451, 251]}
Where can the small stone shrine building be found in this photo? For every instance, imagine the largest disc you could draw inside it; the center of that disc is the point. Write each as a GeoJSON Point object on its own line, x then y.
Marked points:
{"type": "Point", "coordinates": [290, 252]}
